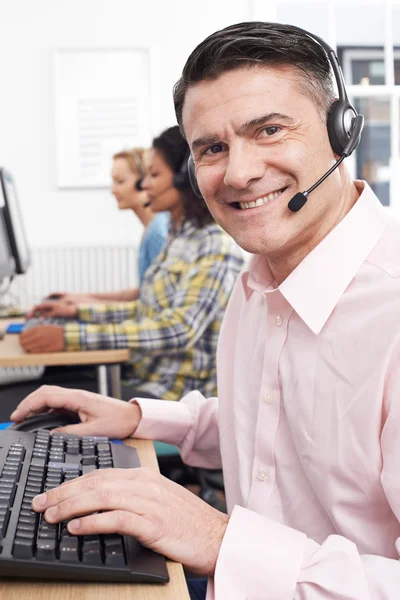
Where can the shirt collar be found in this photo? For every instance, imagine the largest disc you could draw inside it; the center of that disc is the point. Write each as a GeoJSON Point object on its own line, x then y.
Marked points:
{"type": "Point", "coordinates": [314, 288]}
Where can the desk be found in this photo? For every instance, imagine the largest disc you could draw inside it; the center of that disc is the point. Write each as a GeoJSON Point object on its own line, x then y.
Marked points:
{"type": "Point", "coordinates": [176, 589]}
{"type": "Point", "coordinates": [12, 355]}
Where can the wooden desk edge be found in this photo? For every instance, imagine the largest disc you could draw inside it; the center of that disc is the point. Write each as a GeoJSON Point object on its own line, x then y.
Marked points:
{"type": "Point", "coordinates": [12, 355]}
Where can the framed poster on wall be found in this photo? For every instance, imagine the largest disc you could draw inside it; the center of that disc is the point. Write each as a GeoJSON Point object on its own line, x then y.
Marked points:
{"type": "Point", "coordinates": [104, 103]}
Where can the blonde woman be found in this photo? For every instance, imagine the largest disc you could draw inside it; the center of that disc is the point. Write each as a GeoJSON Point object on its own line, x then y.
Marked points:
{"type": "Point", "coordinates": [128, 171]}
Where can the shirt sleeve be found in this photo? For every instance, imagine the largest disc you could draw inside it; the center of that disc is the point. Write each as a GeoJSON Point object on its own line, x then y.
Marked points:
{"type": "Point", "coordinates": [201, 293]}
{"type": "Point", "coordinates": [261, 558]}
{"type": "Point", "coordinates": [116, 312]}
{"type": "Point", "coordinates": [153, 244]}
{"type": "Point", "coordinates": [191, 425]}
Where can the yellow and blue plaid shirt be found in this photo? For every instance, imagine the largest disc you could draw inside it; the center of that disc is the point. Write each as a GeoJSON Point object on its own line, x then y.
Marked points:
{"type": "Point", "coordinates": [172, 329]}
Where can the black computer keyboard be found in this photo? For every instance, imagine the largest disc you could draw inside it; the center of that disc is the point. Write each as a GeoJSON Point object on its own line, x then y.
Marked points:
{"type": "Point", "coordinates": [31, 463]}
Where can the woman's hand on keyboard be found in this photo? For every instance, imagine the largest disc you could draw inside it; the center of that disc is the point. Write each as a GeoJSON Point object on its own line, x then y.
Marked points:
{"type": "Point", "coordinates": [70, 298]}
{"type": "Point", "coordinates": [99, 414]}
{"type": "Point", "coordinates": [161, 514]}
{"type": "Point", "coordinates": [53, 308]}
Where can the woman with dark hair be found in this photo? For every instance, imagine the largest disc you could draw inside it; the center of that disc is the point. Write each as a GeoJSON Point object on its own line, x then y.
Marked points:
{"type": "Point", "coordinates": [168, 159]}
{"type": "Point", "coordinates": [172, 328]}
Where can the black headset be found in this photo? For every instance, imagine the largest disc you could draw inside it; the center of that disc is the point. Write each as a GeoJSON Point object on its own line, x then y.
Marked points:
{"type": "Point", "coordinates": [182, 177]}
{"type": "Point", "coordinates": [180, 181]}
{"type": "Point", "coordinates": [140, 169]}
{"type": "Point", "coordinates": [344, 123]}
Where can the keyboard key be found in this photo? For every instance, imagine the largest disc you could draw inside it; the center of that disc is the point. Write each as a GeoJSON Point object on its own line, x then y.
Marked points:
{"type": "Point", "coordinates": [46, 548]}
{"type": "Point", "coordinates": [22, 548]}
{"type": "Point", "coordinates": [25, 512]}
{"type": "Point", "coordinates": [38, 462]}
{"type": "Point", "coordinates": [88, 460]}
{"type": "Point", "coordinates": [88, 469]}
{"type": "Point", "coordinates": [103, 448]}
{"type": "Point", "coordinates": [34, 488]}
{"type": "Point", "coordinates": [25, 534]}
{"type": "Point", "coordinates": [4, 518]}
{"type": "Point", "coordinates": [33, 478]}
{"type": "Point", "coordinates": [69, 548]}
{"type": "Point", "coordinates": [63, 466]}
{"type": "Point", "coordinates": [27, 527]}
{"type": "Point", "coordinates": [88, 450]}
{"type": "Point", "coordinates": [91, 550]}
{"type": "Point", "coordinates": [114, 551]}
{"type": "Point", "coordinates": [5, 499]}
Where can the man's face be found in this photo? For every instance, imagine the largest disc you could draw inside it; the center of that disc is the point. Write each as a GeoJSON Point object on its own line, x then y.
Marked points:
{"type": "Point", "coordinates": [257, 140]}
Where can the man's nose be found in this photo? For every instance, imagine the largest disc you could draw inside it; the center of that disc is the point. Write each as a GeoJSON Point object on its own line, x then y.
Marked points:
{"type": "Point", "coordinates": [243, 167]}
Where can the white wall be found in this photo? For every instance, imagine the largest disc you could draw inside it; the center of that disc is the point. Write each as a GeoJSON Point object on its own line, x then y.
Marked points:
{"type": "Point", "coordinates": [31, 30]}
{"type": "Point", "coordinates": [29, 33]}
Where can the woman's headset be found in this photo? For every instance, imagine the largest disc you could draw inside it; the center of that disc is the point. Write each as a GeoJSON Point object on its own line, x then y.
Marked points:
{"type": "Point", "coordinates": [140, 169]}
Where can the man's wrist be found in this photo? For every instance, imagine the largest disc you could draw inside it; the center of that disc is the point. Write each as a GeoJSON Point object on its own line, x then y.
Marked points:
{"type": "Point", "coordinates": [216, 545]}
{"type": "Point", "coordinates": [137, 416]}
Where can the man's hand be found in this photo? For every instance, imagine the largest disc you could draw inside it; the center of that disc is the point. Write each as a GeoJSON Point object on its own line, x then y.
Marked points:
{"type": "Point", "coordinates": [53, 308]}
{"type": "Point", "coordinates": [100, 415]}
{"type": "Point", "coordinates": [161, 514]}
{"type": "Point", "coordinates": [42, 339]}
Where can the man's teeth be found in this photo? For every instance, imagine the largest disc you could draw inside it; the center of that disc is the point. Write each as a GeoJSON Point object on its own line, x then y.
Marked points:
{"type": "Point", "coordinates": [260, 201]}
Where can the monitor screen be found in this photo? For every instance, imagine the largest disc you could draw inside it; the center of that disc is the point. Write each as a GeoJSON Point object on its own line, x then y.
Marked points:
{"type": "Point", "coordinates": [15, 226]}
{"type": "Point", "coordinates": [7, 261]}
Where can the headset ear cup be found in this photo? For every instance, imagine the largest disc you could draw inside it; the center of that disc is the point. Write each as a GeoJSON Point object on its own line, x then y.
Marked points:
{"type": "Point", "coordinates": [340, 123]}
{"type": "Point", "coordinates": [179, 182]}
{"type": "Point", "coordinates": [192, 177]}
{"type": "Point", "coordinates": [335, 125]}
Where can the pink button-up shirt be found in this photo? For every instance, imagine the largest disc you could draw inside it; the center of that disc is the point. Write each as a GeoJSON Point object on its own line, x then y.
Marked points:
{"type": "Point", "coordinates": [307, 423]}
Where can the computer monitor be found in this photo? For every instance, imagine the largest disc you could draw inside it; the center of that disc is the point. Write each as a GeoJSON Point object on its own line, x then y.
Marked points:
{"type": "Point", "coordinates": [14, 223]}
{"type": "Point", "coordinates": [7, 260]}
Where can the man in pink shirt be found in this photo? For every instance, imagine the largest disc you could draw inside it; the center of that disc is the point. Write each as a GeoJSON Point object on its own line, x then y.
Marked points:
{"type": "Point", "coordinates": [306, 426]}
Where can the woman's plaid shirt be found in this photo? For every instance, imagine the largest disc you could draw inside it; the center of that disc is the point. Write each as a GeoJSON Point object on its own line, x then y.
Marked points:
{"type": "Point", "coordinates": [172, 329]}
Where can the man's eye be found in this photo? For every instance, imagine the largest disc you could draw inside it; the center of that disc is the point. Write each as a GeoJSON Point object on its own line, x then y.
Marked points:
{"type": "Point", "coordinates": [213, 149]}
{"type": "Point", "coordinates": [271, 130]}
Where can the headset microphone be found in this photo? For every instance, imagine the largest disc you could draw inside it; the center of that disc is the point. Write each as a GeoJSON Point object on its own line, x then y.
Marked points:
{"type": "Point", "coordinates": [299, 199]}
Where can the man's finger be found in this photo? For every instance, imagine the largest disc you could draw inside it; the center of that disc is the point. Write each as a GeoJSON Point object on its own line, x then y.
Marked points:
{"type": "Point", "coordinates": [96, 480]}
{"type": "Point", "coordinates": [117, 521]}
{"type": "Point", "coordinates": [105, 498]}
{"type": "Point", "coordinates": [48, 397]}
{"type": "Point", "coordinates": [95, 427]}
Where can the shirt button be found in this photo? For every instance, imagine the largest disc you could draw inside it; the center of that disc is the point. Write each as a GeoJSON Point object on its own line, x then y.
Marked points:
{"type": "Point", "coordinates": [262, 475]}
{"type": "Point", "coordinates": [268, 398]}
{"type": "Point", "coordinates": [279, 320]}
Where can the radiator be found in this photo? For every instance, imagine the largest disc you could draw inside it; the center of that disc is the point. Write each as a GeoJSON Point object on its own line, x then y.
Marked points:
{"type": "Point", "coordinates": [75, 269]}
